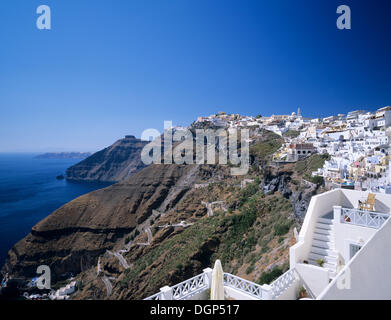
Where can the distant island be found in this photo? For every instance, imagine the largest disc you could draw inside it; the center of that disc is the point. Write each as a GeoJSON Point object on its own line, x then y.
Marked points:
{"type": "Point", "coordinates": [64, 155]}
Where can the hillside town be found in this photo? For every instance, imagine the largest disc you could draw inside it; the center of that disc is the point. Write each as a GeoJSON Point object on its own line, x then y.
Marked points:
{"type": "Point", "coordinates": [357, 144]}
{"type": "Point", "coordinates": [357, 152]}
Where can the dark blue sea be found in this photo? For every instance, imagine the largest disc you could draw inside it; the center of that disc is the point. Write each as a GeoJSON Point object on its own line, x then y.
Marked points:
{"type": "Point", "coordinates": [29, 191]}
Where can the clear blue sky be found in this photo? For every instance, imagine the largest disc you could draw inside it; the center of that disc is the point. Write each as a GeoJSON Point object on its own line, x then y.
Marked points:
{"type": "Point", "coordinates": [109, 67]}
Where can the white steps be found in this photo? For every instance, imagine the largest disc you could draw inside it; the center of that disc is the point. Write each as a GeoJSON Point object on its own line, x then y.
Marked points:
{"type": "Point", "coordinates": [327, 259]}
{"type": "Point", "coordinates": [323, 237]}
{"type": "Point", "coordinates": [323, 244]}
{"type": "Point", "coordinates": [322, 231]}
{"type": "Point", "coordinates": [324, 252]}
{"type": "Point", "coordinates": [326, 221]}
{"type": "Point", "coordinates": [323, 247]}
{"type": "Point", "coordinates": [323, 226]}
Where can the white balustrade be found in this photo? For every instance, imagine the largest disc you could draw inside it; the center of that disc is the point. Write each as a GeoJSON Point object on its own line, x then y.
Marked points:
{"type": "Point", "coordinates": [283, 282]}
{"type": "Point", "coordinates": [202, 282]}
{"type": "Point", "coordinates": [363, 218]}
{"type": "Point", "coordinates": [248, 287]}
{"type": "Point", "coordinates": [190, 287]}
{"type": "Point", "coordinates": [156, 296]}
{"type": "Point", "coordinates": [185, 289]}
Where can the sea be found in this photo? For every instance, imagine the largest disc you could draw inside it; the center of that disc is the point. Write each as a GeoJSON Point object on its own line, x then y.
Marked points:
{"type": "Point", "coordinates": [29, 192]}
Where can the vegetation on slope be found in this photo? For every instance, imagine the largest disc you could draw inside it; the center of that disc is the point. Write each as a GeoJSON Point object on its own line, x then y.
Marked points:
{"type": "Point", "coordinates": [291, 134]}
{"type": "Point", "coordinates": [254, 225]}
{"type": "Point", "coordinates": [173, 255]}
{"type": "Point", "coordinates": [252, 238]}
{"type": "Point", "coordinates": [266, 146]}
{"type": "Point", "coordinates": [306, 166]}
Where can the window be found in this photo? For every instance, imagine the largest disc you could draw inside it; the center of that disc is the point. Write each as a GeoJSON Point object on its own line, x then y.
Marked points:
{"type": "Point", "coordinates": [354, 248]}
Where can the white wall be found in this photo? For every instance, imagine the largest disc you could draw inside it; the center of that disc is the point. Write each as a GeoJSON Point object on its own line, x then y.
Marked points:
{"type": "Point", "coordinates": [236, 294]}
{"type": "Point", "coordinates": [316, 278]}
{"type": "Point", "coordinates": [322, 204]}
{"type": "Point", "coordinates": [319, 206]}
{"type": "Point", "coordinates": [290, 293]}
{"type": "Point", "coordinates": [346, 234]}
{"type": "Point", "coordinates": [369, 271]}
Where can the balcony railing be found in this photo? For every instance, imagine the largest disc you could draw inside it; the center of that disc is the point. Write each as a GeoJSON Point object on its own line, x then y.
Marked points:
{"type": "Point", "coordinates": [200, 283]}
{"type": "Point", "coordinates": [363, 218]}
{"type": "Point", "coordinates": [245, 286]}
{"type": "Point", "coordinates": [190, 287]}
{"type": "Point", "coordinates": [183, 290]}
{"type": "Point", "coordinates": [156, 296]}
{"type": "Point", "coordinates": [283, 282]}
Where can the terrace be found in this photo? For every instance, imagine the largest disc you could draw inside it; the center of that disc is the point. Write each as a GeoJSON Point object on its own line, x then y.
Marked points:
{"type": "Point", "coordinates": [235, 288]}
{"type": "Point", "coordinates": [334, 231]}
{"type": "Point", "coordinates": [344, 239]}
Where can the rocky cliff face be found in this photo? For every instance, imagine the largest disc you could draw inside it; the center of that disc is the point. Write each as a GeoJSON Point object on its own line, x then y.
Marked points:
{"type": "Point", "coordinates": [115, 163]}
{"type": "Point", "coordinates": [299, 192]}
{"type": "Point", "coordinates": [71, 238]}
{"type": "Point", "coordinates": [139, 221]}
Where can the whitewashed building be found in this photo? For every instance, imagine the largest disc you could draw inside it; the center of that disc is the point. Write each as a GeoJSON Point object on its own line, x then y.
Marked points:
{"type": "Point", "coordinates": [341, 253]}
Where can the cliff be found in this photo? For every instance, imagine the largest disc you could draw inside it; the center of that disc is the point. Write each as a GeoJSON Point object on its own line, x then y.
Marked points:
{"type": "Point", "coordinates": [125, 241]}
{"type": "Point", "coordinates": [72, 237]}
{"type": "Point", "coordinates": [114, 163]}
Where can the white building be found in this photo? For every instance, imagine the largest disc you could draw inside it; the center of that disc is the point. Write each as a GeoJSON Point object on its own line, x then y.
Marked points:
{"type": "Point", "coordinates": [341, 253]}
{"type": "Point", "coordinates": [383, 117]}
{"type": "Point", "coordinates": [64, 292]}
{"type": "Point", "coordinates": [352, 243]}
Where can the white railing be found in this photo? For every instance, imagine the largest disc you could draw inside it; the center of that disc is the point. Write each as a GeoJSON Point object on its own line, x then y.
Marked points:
{"type": "Point", "coordinates": [156, 296]}
{"type": "Point", "coordinates": [190, 287]}
{"type": "Point", "coordinates": [198, 284]}
{"type": "Point", "coordinates": [185, 289]}
{"type": "Point", "coordinates": [363, 218]}
{"type": "Point", "coordinates": [283, 282]}
{"type": "Point", "coordinates": [243, 285]}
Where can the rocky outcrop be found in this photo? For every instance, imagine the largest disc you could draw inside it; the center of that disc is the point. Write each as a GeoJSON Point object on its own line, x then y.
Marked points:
{"type": "Point", "coordinates": [301, 198]}
{"type": "Point", "coordinates": [114, 163]}
{"type": "Point", "coordinates": [277, 182]}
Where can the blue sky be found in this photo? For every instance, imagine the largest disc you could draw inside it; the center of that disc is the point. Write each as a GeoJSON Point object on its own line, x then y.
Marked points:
{"type": "Point", "coordinates": [110, 68]}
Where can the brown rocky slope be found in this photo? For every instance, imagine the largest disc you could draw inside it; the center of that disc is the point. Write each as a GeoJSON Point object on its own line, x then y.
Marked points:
{"type": "Point", "coordinates": [251, 235]}
{"type": "Point", "coordinates": [71, 238]}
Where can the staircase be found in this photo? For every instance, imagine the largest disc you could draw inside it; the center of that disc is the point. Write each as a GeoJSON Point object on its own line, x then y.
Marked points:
{"type": "Point", "coordinates": [323, 246]}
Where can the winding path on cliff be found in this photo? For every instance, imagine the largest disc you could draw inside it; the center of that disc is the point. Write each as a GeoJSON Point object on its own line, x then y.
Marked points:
{"type": "Point", "coordinates": [120, 258]}
{"type": "Point", "coordinates": [98, 268]}
{"type": "Point", "coordinates": [184, 183]}
{"type": "Point", "coordinates": [109, 286]}
{"type": "Point", "coordinates": [149, 235]}
{"type": "Point", "coordinates": [105, 279]}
